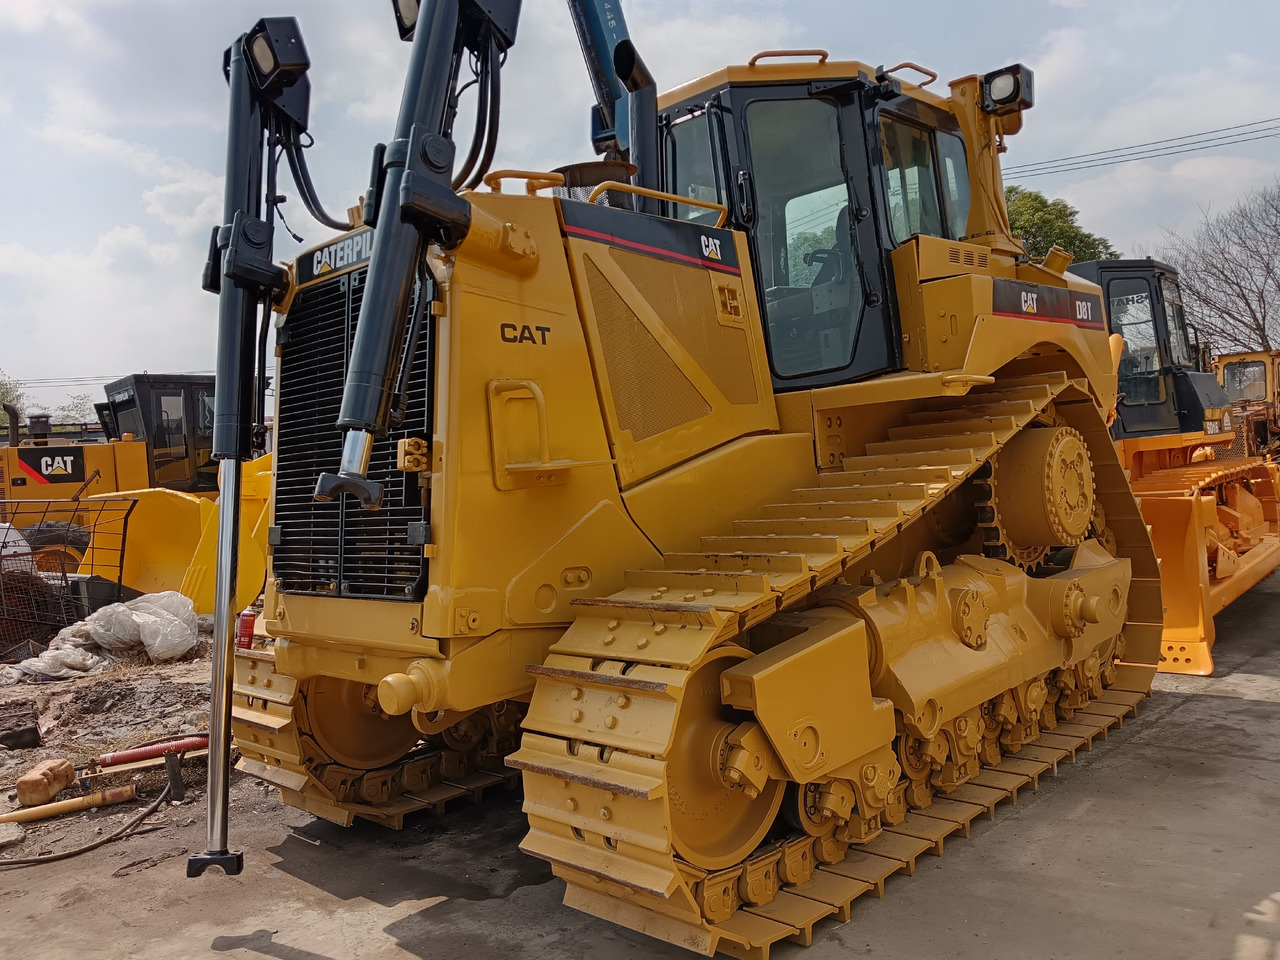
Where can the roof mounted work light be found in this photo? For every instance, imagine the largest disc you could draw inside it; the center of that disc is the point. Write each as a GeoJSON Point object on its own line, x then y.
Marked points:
{"type": "Point", "coordinates": [1009, 90]}
{"type": "Point", "coordinates": [406, 17]}
{"type": "Point", "coordinates": [277, 56]}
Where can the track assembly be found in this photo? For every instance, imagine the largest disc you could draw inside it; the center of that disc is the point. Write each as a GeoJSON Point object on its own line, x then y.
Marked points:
{"type": "Point", "coordinates": [667, 719]}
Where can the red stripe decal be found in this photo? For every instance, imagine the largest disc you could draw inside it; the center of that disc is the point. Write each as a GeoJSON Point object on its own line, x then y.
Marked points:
{"type": "Point", "coordinates": [1031, 316]}
{"type": "Point", "coordinates": [645, 248]}
{"type": "Point", "coordinates": [34, 474]}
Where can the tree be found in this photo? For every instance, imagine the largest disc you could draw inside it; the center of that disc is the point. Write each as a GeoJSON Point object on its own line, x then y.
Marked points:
{"type": "Point", "coordinates": [11, 393]}
{"type": "Point", "coordinates": [1042, 222]}
{"type": "Point", "coordinates": [1229, 270]}
{"type": "Point", "coordinates": [77, 409]}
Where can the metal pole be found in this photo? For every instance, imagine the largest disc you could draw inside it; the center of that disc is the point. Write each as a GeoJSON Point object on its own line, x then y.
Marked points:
{"type": "Point", "coordinates": [224, 624]}
{"type": "Point", "coordinates": [233, 406]}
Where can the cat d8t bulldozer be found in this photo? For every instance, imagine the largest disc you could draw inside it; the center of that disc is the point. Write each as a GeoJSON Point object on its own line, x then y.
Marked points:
{"type": "Point", "coordinates": [1211, 507]}
{"type": "Point", "coordinates": [749, 490]}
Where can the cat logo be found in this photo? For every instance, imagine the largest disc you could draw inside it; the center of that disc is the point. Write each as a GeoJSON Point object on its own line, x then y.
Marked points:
{"type": "Point", "coordinates": [43, 465]}
{"type": "Point", "coordinates": [55, 466]}
{"type": "Point", "coordinates": [711, 248]}
{"type": "Point", "coordinates": [1029, 302]}
{"type": "Point", "coordinates": [343, 253]}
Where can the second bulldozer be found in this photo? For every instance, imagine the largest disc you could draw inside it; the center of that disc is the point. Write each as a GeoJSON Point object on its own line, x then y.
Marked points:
{"type": "Point", "coordinates": [755, 500]}
{"type": "Point", "coordinates": [1210, 501]}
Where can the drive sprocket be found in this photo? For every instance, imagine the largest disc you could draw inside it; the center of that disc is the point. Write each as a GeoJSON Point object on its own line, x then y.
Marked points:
{"type": "Point", "coordinates": [1038, 494]}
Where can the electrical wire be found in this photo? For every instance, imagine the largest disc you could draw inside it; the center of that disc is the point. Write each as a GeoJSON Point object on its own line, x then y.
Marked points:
{"type": "Point", "coordinates": [1151, 143]}
{"type": "Point", "coordinates": [1152, 149]}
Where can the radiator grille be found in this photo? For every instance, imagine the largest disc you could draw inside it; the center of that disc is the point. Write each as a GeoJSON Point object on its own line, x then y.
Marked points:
{"type": "Point", "coordinates": [337, 548]}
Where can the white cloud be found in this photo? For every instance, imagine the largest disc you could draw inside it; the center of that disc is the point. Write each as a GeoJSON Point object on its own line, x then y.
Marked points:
{"type": "Point", "coordinates": [104, 309]}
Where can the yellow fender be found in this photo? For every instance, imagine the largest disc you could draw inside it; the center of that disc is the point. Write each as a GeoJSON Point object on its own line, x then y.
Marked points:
{"type": "Point", "coordinates": [172, 541]}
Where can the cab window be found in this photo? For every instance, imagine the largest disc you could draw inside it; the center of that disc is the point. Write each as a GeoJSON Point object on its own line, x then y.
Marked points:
{"type": "Point", "coordinates": [1245, 380]}
{"type": "Point", "coordinates": [124, 407]}
{"type": "Point", "coordinates": [693, 171]}
{"type": "Point", "coordinates": [1179, 346]}
{"type": "Point", "coordinates": [808, 267]}
{"type": "Point", "coordinates": [953, 169]}
{"type": "Point", "coordinates": [1130, 310]}
{"type": "Point", "coordinates": [912, 180]}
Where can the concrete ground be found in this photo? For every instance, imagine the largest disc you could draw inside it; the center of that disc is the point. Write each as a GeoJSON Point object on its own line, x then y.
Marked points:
{"type": "Point", "coordinates": [1163, 842]}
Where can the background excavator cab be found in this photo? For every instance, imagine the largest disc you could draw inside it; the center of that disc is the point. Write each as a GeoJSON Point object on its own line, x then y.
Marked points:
{"type": "Point", "coordinates": [1165, 388]}
{"type": "Point", "coordinates": [174, 415]}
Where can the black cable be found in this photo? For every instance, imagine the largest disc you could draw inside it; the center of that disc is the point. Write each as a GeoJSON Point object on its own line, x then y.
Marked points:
{"type": "Point", "coordinates": [307, 189]}
{"type": "Point", "coordinates": [487, 66]}
{"type": "Point", "coordinates": [68, 854]}
{"type": "Point", "coordinates": [495, 108]}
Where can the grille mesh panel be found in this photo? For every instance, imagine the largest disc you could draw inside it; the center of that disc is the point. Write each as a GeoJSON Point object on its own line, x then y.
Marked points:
{"type": "Point", "coordinates": [650, 394]}
{"type": "Point", "coordinates": [337, 548]}
{"type": "Point", "coordinates": [682, 296]}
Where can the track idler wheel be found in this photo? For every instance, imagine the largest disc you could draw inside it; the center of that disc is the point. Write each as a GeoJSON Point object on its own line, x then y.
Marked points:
{"type": "Point", "coordinates": [345, 721]}
{"type": "Point", "coordinates": [714, 822]}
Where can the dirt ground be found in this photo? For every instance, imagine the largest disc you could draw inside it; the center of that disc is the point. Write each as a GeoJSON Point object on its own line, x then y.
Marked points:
{"type": "Point", "coordinates": [1163, 842]}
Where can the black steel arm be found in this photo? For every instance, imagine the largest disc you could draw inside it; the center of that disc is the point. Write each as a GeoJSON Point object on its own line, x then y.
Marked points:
{"type": "Point", "coordinates": [416, 207]}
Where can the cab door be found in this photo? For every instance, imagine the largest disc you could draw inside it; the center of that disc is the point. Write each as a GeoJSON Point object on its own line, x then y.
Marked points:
{"type": "Point", "coordinates": [800, 179]}
{"type": "Point", "coordinates": [1146, 376]}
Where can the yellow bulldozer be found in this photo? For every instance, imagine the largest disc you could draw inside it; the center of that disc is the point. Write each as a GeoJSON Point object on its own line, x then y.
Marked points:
{"type": "Point", "coordinates": [1211, 502]}
{"type": "Point", "coordinates": [749, 490]}
{"type": "Point", "coordinates": [148, 494]}
{"type": "Point", "coordinates": [1252, 382]}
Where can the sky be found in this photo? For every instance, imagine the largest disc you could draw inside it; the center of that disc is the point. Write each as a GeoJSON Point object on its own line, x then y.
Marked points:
{"type": "Point", "coordinates": [113, 119]}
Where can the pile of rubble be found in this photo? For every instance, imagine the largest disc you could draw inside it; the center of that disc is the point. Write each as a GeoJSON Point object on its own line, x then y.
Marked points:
{"type": "Point", "coordinates": [70, 735]}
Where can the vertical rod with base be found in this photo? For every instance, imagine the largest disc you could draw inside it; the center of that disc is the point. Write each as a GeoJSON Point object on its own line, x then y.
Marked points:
{"type": "Point", "coordinates": [233, 405]}
{"type": "Point", "coordinates": [224, 624]}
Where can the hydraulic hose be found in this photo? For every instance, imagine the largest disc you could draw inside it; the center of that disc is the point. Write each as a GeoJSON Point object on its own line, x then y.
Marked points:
{"type": "Point", "coordinates": [307, 189]}
{"type": "Point", "coordinates": [487, 65]}
{"type": "Point", "coordinates": [102, 841]}
{"type": "Point", "coordinates": [495, 109]}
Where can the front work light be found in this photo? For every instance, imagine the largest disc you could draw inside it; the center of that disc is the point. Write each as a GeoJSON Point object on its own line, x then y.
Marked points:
{"type": "Point", "coordinates": [1009, 90]}
{"type": "Point", "coordinates": [406, 17]}
{"type": "Point", "coordinates": [277, 54]}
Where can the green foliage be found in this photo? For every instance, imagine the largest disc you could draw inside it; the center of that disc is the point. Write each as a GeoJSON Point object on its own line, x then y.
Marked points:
{"type": "Point", "coordinates": [798, 245]}
{"type": "Point", "coordinates": [1042, 222]}
{"type": "Point", "coordinates": [11, 392]}
{"type": "Point", "coordinates": [77, 409]}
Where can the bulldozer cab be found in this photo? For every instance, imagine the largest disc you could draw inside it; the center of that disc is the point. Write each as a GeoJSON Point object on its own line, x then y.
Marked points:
{"type": "Point", "coordinates": [1250, 377]}
{"type": "Point", "coordinates": [831, 175]}
{"type": "Point", "coordinates": [1165, 387]}
{"type": "Point", "coordinates": [1252, 383]}
{"type": "Point", "coordinates": [174, 415]}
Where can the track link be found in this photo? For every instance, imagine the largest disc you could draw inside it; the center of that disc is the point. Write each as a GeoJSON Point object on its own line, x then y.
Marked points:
{"type": "Point", "coordinates": [600, 732]}
{"type": "Point", "coordinates": [268, 721]}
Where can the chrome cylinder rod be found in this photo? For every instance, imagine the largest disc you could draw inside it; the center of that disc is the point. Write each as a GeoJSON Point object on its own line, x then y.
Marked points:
{"type": "Point", "coordinates": [224, 625]}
